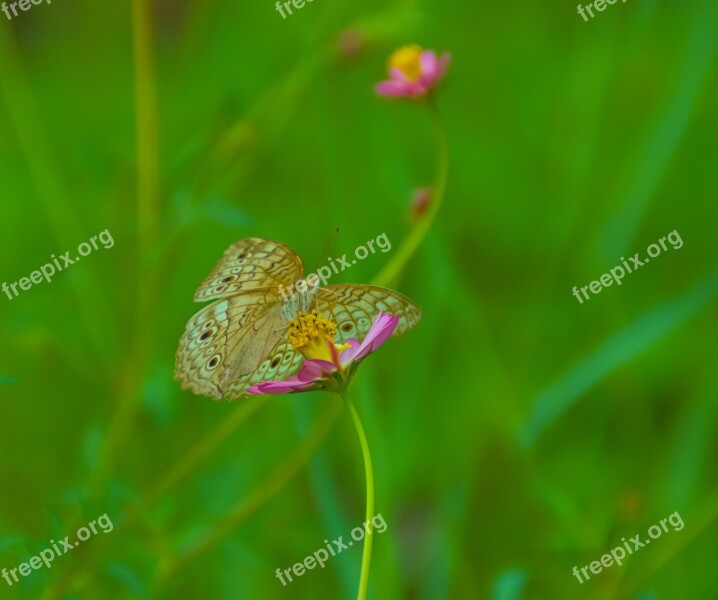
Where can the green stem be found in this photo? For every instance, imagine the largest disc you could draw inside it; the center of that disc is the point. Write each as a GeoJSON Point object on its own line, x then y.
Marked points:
{"type": "Point", "coordinates": [146, 119]}
{"type": "Point", "coordinates": [402, 255]}
{"type": "Point", "coordinates": [366, 555]}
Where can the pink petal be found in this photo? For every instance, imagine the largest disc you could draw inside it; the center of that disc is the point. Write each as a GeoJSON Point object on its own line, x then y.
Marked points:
{"type": "Point", "coordinates": [379, 333]}
{"type": "Point", "coordinates": [272, 387]}
{"type": "Point", "coordinates": [429, 64]}
{"type": "Point", "coordinates": [315, 369]}
{"type": "Point", "coordinates": [381, 330]}
{"type": "Point", "coordinates": [281, 387]}
{"type": "Point", "coordinates": [392, 88]}
{"type": "Point", "coordinates": [398, 75]}
{"type": "Point", "coordinates": [400, 88]}
{"type": "Point", "coordinates": [433, 68]}
{"type": "Point", "coordinates": [348, 354]}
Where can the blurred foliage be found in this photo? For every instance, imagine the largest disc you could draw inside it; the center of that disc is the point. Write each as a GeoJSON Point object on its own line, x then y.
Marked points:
{"type": "Point", "coordinates": [515, 433]}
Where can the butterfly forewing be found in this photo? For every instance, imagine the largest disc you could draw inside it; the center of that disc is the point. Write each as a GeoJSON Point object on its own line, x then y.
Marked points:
{"type": "Point", "coordinates": [250, 264]}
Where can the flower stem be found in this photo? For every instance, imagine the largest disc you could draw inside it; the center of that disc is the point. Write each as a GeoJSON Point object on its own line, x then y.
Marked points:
{"type": "Point", "coordinates": [393, 268]}
{"type": "Point", "coordinates": [366, 555]}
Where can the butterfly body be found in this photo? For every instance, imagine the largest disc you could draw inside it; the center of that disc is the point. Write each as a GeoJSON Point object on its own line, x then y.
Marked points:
{"type": "Point", "coordinates": [241, 338]}
{"type": "Point", "coordinates": [300, 301]}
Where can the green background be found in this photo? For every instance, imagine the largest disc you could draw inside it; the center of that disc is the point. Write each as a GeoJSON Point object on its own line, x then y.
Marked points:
{"type": "Point", "coordinates": [515, 432]}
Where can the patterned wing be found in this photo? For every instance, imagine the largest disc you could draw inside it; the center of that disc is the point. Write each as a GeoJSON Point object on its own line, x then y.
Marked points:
{"type": "Point", "coordinates": [279, 365]}
{"type": "Point", "coordinates": [230, 340]}
{"type": "Point", "coordinates": [250, 264]}
{"type": "Point", "coordinates": [354, 307]}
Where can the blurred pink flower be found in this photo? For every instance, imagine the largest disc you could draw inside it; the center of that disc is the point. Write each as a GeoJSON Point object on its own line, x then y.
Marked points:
{"type": "Point", "coordinates": [318, 373]}
{"type": "Point", "coordinates": [413, 72]}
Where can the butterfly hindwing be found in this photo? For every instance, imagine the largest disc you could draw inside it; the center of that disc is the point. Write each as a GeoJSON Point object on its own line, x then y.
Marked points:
{"type": "Point", "coordinates": [219, 336]}
{"type": "Point", "coordinates": [282, 362]}
{"type": "Point", "coordinates": [353, 307]}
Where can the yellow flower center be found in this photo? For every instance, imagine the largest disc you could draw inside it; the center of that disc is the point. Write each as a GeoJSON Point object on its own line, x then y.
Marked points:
{"type": "Point", "coordinates": [311, 334]}
{"type": "Point", "coordinates": [408, 61]}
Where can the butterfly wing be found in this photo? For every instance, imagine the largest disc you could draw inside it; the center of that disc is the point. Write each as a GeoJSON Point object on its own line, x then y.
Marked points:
{"type": "Point", "coordinates": [229, 343]}
{"type": "Point", "coordinates": [353, 308]}
{"type": "Point", "coordinates": [282, 362]}
{"type": "Point", "coordinates": [251, 264]}
{"type": "Point", "coordinates": [228, 340]}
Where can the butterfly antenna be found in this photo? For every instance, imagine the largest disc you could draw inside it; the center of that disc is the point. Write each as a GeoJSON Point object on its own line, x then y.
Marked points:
{"type": "Point", "coordinates": [329, 243]}
{"type": "Point", "coordinates": [323, 256]}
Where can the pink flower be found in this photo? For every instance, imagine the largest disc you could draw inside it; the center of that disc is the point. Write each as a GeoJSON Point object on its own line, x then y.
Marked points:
{"type": "Point", "coordinates": [413, 72]}
{"type": "Point", "coordinates": [318, 373]}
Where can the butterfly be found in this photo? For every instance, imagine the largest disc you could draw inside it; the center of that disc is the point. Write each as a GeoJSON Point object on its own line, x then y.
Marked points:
{"type": "Point", "coordinates": [242, 337]}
